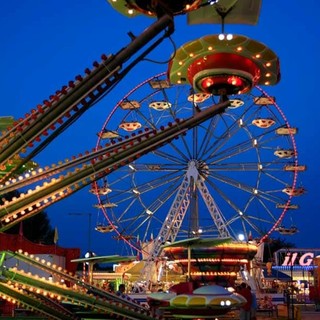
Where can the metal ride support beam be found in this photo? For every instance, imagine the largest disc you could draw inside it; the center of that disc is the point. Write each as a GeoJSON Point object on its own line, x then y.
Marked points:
{"type": "Point", "coordinates": [77, 97]}
{"type": "Point", "coordinates": [213, 209]}
{"type": "Point", "coordinates": [174, 219]}
{"type": "Point", "coordinates": [170, 227]}
{"type": "Point", "coordinates": [99, 300]}
{"type": "Point", "coordinates": [177, 212]}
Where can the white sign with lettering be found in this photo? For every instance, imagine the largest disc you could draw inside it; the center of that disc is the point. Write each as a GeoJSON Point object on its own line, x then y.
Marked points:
{"type": "Point", "coordinates": [305, 260]}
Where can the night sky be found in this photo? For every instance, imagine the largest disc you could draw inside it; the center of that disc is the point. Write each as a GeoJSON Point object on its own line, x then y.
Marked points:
{"type": "Point", "coordinates": [44, 44]}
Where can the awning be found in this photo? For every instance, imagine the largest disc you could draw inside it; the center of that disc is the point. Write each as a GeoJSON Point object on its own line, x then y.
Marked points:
{"type": "Point", "coordinates": [275, 275]}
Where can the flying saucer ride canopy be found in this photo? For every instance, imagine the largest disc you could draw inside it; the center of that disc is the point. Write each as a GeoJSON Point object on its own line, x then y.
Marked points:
{"type": "Point", "coordinates": [198, 11]}
{"type": "Point", "coordinates": [224, 64]}
{"type": "Point", "coordinates": [132, 8]}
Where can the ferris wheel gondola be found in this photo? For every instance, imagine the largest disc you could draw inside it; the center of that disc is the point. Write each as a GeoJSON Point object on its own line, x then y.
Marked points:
{"type": "Point", "coordinates": [287, 231]}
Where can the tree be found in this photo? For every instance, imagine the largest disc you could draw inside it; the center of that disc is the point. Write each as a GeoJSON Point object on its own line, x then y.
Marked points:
{"type": "Point", "coordinates": [36, 228]}
{"type": "Point", "coordinates": [272, 245]}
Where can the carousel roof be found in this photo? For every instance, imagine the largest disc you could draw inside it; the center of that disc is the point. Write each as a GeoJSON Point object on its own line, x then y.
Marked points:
{"type": "Point", "coordinates": [198, 242]}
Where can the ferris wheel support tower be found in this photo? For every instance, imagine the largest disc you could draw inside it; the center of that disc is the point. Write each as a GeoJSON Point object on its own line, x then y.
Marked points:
{"type": "Point", "coordinates": [191, 184]}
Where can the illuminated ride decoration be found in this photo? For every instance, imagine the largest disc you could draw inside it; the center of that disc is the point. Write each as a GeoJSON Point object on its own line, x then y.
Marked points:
{"type": "Point", "coordinates": [151, 8]}
{"type": "Point", "coordinates": [219, 65]}
{"type": "Point", "coordinates": [211, 260]}
{"type": "Point", "coordinates": [14, 164]}
{"type": "Point", "coordinates": [204, 261]}
{"type": "Point", "coordinates": [202, 302]}
{"type": "Point", "coordinates": [61, 295]}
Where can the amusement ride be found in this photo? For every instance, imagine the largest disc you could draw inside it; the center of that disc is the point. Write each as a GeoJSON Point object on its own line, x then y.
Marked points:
{"type": "Point", "coordinates": [198, 152]}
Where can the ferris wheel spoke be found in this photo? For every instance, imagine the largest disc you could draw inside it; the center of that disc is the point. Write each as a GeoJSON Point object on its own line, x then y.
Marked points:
{"type": "Point", "coordinates": [232, 152]}
{"type": "Point", "coordinates": [223, 139]}
{"type": "Point", "coordinates": [205, 142]}
{"type": "Point", "coordinates": [267, 194]}
{"type": "Point", "coordinates": [161, 168]}
{"type": "Point", "coordinates": [236, 213]}
{"type": "Point", "coordinates": [253, 223]}
{"type": "Point", "coordinates": [275, 178]}
{"type": "Point", "coordinates": [267, 209]}
{"type": "Point", "coordinates": [180, 158]}
{"type": "Point", "coordinates": [243, 166]}
{"type": "Point", "coordinates": [144, 187]}
{"type": "Point", "coordinates": [235, 183]}
{"type": "Point", "coordinates": [147, 211]}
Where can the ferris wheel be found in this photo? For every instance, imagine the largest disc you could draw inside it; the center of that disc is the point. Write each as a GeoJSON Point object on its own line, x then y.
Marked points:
{"type": "Point", "coordinates": [231, 176]}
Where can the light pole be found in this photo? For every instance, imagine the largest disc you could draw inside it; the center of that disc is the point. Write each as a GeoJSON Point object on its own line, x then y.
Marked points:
{"type": "Point", "coordinates": [89, 214]}
{"type": "Point", "coordinates": [290, 297]}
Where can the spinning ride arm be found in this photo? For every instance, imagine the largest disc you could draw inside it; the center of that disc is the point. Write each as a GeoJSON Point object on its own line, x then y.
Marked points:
{"type": "Point", "coordinates": [41, 294]}
{"type": "Point", "coordinates": [90, 168]}
{"type": "Point", "coordinates": [54, 115]}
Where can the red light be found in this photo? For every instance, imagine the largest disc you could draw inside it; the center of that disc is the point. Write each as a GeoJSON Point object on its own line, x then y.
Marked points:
{"type": "Point", "coordinates": [235, 81]}
{"type": "Point", "coordinates": [207, 83]}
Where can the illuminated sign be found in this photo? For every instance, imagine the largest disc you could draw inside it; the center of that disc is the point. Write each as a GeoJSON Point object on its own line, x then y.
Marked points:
{"type": "Point", "coordinates": [295, 258]}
